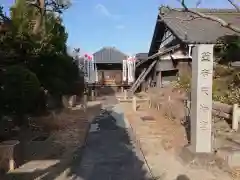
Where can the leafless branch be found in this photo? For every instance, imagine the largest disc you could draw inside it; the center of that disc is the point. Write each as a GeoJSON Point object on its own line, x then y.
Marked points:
{"type": "Point", "coordinates": [46, 5]}
{"type": "Point", "coordinates": [212, 18]}
{"type": "Point", "coordinates": [184, 19]}
{"type": "Point", "coordinates": [3, 17]}
{"type": "Point", "coordinates": [234, 5]}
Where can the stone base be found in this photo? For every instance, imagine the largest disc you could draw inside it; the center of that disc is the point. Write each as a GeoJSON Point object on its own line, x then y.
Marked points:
{"type": "Point", "coordinates": [230, 155]}
{"type": "Point", "coordinates": [188, 156]}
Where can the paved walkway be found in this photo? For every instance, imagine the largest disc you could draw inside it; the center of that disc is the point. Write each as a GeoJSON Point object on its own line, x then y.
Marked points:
{"type": "Point", "coordinates": [110, 153]}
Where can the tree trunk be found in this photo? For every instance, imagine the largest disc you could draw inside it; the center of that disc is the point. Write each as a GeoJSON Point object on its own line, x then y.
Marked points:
{"type": "Point", "coordinates": [39, 18]}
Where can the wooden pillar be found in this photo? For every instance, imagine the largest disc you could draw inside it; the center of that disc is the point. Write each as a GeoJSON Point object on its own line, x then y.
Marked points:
{"type": "Point", "coordinates": [149, 82]}
{"type": "Point", "coordinates": [85, 99]}
{"type": "Point", "coordinates": [134, 103]}
{"type": "Point", "coordinates": [159, 79]}
{"type": "Point", "coordinates": [235, 117]}
{"type": "Point", "coordinates": [92, 95]}
{"type": "Point", "coordinates": [122, 89]}
{"type": "Point", "coordinates": [7, 154]}
{"type": "Point", "coordinates": [125, 94]}
{"type": "Point", "coordinates": [143, 86]}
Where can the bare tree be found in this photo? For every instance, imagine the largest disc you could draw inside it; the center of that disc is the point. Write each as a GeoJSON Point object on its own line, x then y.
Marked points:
{"type": "Point", "coordinates": [43, 6]}
{"type": "Point", "coordinates": [234, 5]}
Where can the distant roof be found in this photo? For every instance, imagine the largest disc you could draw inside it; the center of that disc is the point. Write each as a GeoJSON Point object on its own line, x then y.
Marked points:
{"type": "Point", "coordinates": [141, 56]}
{"type": "Point", "coordinates": [191, 28]}
{"type": "Point", "coordinates": [235, 64]}
{"type": "Point", "coordinates": [108, 48]}
{"type": "Point", "coordinates": [109, 55]}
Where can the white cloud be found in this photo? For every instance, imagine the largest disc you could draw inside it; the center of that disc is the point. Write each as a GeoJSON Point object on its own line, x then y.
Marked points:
{"type": "Point", "coordinates": [102, 9]}
{"type": "Point", "coordinates": [120, 27]}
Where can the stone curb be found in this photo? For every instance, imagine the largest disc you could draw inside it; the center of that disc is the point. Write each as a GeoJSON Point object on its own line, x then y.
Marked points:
{"type": "Point", "coordinates": [134, 138]}
{"type": "Point", "coordinates": [78, 152]}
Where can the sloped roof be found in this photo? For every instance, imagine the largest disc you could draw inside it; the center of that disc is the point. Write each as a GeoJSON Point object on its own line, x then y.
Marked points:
{"type": "Point", "coordinates": [109, 55]}
{"type": "Point", "coordinates": [191, 28]}
{"type": "Point", "coordinates": [141, 56]}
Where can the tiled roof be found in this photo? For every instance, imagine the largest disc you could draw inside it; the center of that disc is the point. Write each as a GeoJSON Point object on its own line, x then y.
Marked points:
{"type": "Point", "coordinates": [197, 29]}
{"type": "Point", "coordinates": [142, 56]}
{"type": "Point", "coordinates": [109, 55]}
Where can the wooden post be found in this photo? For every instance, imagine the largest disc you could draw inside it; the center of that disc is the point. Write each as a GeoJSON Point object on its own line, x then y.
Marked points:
{"type": "Point", "coordinates": [134, 103]}
{"type": "Point", "coordinates": [235, 117]}
{"type": "Point", "coordinates": [125, 94]}
{"type": "Point", "coordinates": [85, 97]}
{"type": "Point", "coordinates": [149, 103]}
{"type": "Point", "coordinates": [72, 101]}
{"type": "Point", "coordinates": [159, 79]}
{"type": "Point", "coordinates": [148, 83]}
{"type": "Point", "coordinates": [11, 160]}
{"type": "Point", "coordinates": [92, 95]}
{"type": "Point", "coordinates": [7, 152]}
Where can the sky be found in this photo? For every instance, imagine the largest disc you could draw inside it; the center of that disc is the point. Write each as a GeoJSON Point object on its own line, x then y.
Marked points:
{"type": "Point", "coordinates": [127, 25]}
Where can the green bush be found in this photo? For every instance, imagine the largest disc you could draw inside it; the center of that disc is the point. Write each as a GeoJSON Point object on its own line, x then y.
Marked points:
{"type": "Point", "coordinates": [219, 92]}
{"type": "Point", "coordinates": [184, 82]}
{"type": "Point", "coordinates": [221, 70]}
{"type": "Point", "coordinates": [57, 73]}
{"type": "Point", "coordinates": [20, 89]}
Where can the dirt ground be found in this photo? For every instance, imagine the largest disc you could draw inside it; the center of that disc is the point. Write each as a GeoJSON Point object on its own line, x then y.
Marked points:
{"type": "Point", "coordinates": [172, 111]}
{"type": "Point", "coordinates": [68, 135]}
{"type": "Point", "coordinates": [75, 126]}
{"type": "Point", "coordinates": [163, 136]}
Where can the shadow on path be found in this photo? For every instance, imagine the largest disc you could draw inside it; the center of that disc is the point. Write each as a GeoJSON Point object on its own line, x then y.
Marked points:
{"type": "Point", "coordinates": [182, 177]}
{"type": "Point", "coordinates": [109, 154]}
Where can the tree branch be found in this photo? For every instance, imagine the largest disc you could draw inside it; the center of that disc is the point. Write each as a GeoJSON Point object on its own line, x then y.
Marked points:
{"type": "Point", "coordinates": [46, 5]}
{"type": "Point", "coordinates": [234, 5]}
{"type": "Point", "coordinates": [3, 17]}
{"type": "Point", "coordinates": [212, 18]}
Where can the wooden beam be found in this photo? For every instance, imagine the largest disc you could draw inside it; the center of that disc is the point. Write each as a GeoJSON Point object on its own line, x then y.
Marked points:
{"type": "Point", "coordinates": [163, 52]}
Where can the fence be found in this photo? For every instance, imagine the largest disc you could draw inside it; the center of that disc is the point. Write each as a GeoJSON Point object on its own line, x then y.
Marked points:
{"type": "Point", "coordinates": [226, 111]}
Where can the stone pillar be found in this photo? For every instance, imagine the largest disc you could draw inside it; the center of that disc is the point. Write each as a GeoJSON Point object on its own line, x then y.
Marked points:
{"type": "Point", "coordinates": [201, 99]}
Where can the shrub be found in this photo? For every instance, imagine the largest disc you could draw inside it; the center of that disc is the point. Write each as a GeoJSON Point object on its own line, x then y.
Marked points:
{"type": "Point", "coordinates": [20, 89]}
{"type": "Point", "coordinates": [184, 82]}
{"type": "Point", "coordinates": [221, 70]}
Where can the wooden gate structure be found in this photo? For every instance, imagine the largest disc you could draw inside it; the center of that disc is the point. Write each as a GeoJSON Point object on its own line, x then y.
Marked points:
{"type": "Point", "coordinates": [109, 66]}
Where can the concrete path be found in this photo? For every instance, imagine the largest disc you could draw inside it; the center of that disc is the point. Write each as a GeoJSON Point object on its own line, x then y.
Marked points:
{"type": "Point", "coordinates": [110, 153]}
